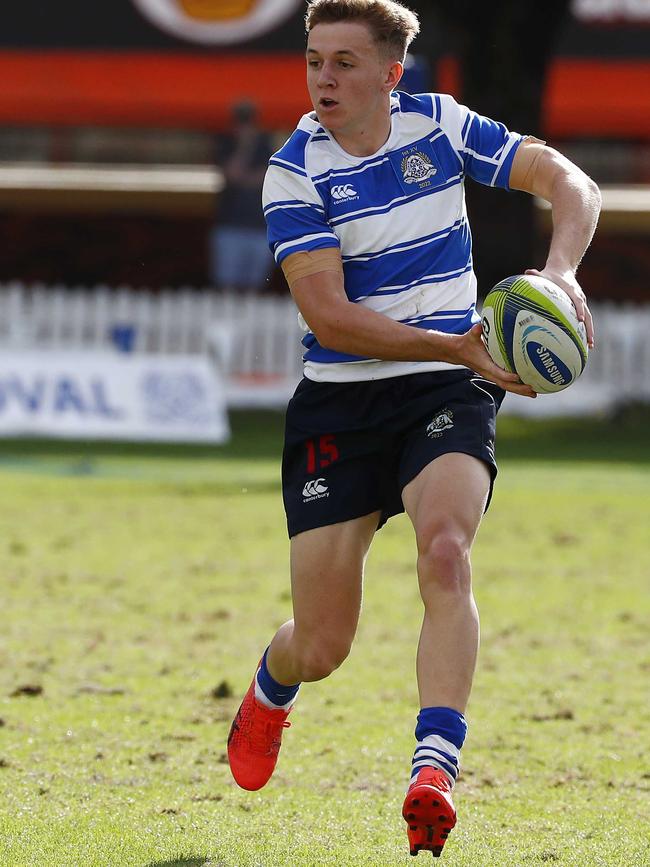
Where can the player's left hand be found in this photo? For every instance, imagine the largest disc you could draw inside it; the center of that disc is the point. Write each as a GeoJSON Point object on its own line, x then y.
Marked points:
{"type": "Point", "coordinates": [566, 280]}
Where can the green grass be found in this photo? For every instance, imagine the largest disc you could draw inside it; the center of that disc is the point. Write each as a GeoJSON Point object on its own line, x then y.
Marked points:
{"type": "Point", "coordinates": [136, 581]}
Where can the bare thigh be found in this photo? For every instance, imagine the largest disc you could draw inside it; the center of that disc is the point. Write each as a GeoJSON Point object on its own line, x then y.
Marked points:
{"type": "Point", "coordinates": [445, 503]}
{"type": "Point", "coordinates": [326, 581]}
{"type": "Point", "coordinates": [447, 499]}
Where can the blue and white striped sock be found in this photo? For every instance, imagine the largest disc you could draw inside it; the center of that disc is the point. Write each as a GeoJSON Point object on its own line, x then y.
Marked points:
{"type": "Point", "coordinates": [271, 693]}
{"type": "Point", "coordinates": [440, 733]}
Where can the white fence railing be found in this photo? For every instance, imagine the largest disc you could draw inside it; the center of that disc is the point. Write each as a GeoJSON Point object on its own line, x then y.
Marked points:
{"type": "Point", "coordinates": [257, 339]}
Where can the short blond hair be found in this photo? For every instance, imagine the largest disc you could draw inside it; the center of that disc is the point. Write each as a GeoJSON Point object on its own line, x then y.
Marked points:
{"type": "Point", "coordinates": [392, 25]}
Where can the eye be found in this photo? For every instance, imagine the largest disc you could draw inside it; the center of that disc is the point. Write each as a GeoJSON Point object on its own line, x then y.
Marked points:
{"type": "Point", "coordinates": [344, 64]}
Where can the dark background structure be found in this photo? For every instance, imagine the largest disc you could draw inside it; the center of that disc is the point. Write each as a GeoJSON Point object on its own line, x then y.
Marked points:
{"type": "Point", "coordinates": [100, 83]}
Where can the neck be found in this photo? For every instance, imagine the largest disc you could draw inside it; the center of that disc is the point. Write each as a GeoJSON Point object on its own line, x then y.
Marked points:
{"type": "Point", "coordinates": [366, 140]}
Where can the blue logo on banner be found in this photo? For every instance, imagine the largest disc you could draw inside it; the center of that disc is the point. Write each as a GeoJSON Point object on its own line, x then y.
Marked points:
{"type": "Point", "coordinates": [170, 398]}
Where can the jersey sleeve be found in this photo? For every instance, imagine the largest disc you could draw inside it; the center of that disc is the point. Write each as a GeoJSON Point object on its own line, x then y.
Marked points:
{"type": "Point", "coordinates": [294, 213]}
{"type": "Point", "coordinates": [485, 147]}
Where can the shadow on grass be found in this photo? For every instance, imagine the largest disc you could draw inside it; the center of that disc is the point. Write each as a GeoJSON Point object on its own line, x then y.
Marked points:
{"type": "Point", "coordinates": [257, 435]}
{"type": "Point", "coordinates": [617, 438]}
{"type": "Point", "coordinates": [180, 862]}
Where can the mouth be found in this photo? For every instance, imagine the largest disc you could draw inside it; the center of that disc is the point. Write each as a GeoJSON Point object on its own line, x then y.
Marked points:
{"type": "Point", "coordinates": [326, 103]}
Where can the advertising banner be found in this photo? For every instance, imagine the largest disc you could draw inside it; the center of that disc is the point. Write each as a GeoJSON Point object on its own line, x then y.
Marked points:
{"type": "Point", "coordinates": [96, 395]}
{"type": "Point", "coordinates": [215, 22]}
{"type": "Point", "coordinates": [156, 25]}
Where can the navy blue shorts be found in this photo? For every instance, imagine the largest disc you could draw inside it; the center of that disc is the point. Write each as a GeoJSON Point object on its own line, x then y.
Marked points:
{"type": "Point", "coordinates": [351, 447]}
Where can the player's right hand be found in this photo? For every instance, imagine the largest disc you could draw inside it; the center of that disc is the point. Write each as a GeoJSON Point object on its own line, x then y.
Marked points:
{"type": "Point", "coordinates": [473, 354]}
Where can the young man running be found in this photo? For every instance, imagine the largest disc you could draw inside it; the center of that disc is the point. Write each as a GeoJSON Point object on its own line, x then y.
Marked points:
{"type": "Point", "coordinates": [366, 215]}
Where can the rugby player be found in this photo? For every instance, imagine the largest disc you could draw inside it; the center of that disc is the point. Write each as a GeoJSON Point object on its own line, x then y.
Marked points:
{"type": "Point", "coordinates": [396, 412]}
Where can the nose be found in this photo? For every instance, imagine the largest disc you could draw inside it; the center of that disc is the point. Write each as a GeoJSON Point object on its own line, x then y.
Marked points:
{"type": "Point", "coordinates": [326, 76]}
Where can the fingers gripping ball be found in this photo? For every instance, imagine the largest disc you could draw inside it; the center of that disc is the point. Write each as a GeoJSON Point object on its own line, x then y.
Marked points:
{"type": "Point", "coordinates": [530, 327]}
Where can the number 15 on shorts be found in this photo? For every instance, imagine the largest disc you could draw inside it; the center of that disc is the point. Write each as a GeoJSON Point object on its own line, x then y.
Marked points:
{"type": "Point", "coordinates": [321, 453]}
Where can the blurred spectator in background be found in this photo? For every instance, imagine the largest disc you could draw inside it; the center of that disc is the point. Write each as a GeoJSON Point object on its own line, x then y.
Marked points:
{"type": "Point", "coordinates": [239, 253]}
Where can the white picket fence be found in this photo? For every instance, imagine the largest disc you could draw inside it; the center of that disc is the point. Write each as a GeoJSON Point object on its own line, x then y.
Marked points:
{"type": "Point", "coordinates": [256, 340]}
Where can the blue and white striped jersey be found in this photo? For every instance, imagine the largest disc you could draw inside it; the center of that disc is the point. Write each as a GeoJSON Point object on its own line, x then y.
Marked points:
{"type": "Point", "coordinates": [398, 217]}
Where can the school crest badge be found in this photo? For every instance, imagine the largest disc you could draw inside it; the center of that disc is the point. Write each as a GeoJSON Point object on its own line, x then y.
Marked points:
{"type": "Point", "coordinates": [417, 167]}
{"type": "Point", "coordinates": [442, 422]}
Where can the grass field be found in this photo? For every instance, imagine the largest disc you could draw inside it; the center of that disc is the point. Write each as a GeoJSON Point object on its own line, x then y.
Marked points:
{"type": "Point", "coordinates": [140, 586]}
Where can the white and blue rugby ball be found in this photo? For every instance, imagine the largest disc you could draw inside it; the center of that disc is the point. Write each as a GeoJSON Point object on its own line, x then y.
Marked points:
{"type": "Point", "coordinates": [531, 328]}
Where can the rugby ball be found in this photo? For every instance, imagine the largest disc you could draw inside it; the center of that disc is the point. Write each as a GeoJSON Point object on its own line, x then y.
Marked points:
{"type": "Point", "coordinates": [530, 327]}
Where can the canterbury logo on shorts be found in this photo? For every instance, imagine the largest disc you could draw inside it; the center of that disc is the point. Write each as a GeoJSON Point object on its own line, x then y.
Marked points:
{"type": "Point", "coordinates": [315, 490]}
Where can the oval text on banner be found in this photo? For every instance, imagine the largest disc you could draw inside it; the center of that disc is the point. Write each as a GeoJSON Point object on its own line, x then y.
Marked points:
{"type": "Point", "coordinates": [217, 22]}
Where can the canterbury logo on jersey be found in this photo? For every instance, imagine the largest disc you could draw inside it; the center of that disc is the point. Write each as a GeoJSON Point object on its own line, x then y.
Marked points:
{"type": "Point", "coordinates": [344, 193]}
{"type": "Point", "coordinates": [315, 490]}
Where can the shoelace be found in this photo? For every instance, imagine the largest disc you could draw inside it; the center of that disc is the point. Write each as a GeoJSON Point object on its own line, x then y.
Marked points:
{"type": "Point", "coordinates": [265, 734]}
{"type": "Point", "coordinates": [439, 783]}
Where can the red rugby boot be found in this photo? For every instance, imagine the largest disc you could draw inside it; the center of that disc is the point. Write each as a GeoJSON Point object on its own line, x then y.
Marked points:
{"type": "Point", "coordinates": [429, 812]}
{"type": "Point", "coordinates": [254, 741]}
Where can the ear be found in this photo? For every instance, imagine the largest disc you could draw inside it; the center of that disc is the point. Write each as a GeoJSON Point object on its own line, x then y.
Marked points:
{"type": "Point", "coordinates": [393, 76]}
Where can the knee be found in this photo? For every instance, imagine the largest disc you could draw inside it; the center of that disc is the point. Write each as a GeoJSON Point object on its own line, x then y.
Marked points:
{"type": "Point", "coordinates": [444, 564]}
{"type": "Point", "coordinates": [318, 659]}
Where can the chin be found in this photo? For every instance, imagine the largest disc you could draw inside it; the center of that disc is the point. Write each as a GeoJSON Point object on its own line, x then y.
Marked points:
{"type": "Point", "coordinates": [328, 122]}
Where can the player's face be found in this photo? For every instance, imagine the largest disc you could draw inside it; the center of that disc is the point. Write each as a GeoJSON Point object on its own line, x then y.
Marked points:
{"type": "Point", "coordinates": [350, 80]}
